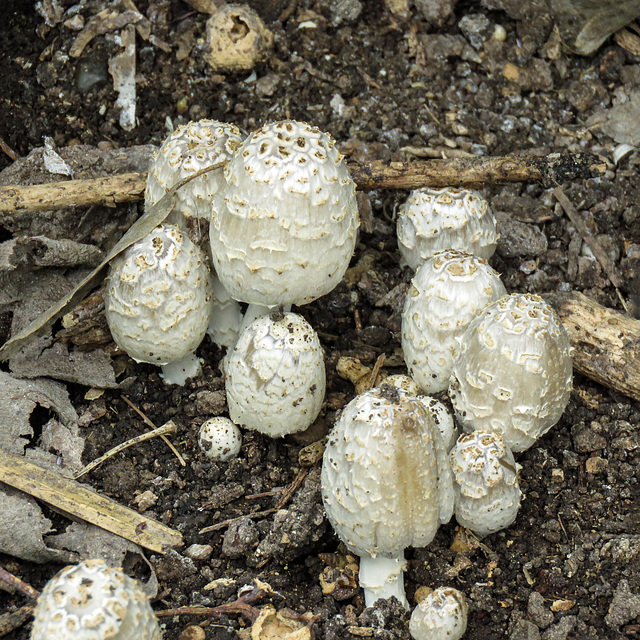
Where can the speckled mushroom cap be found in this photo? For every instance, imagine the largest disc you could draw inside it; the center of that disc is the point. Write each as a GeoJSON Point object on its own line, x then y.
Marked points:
{"type": "Point", "coordinates": [92, 601]}
{"type": "Point", "coordinates": [275, 376]}
{"type": "Point", "coordinates": [220, 439]}
{"type": "Point", "coordinates": [158, 297]}
{"type": "Point", "coordinates": [386, 481]}
{"type": "Point", "coordinates": [514, 372]}
{"type": "Point", "coordinates": [189, 149]}
{"type": "Point", "coordinates": [447, 292]}
{"type": "Point", "coordinates": [485, 482]}
{"type": "Point", "coordinates": [288, 229]}
{"type": "Point", "coordinates": [442, 615]}
{"type": "Point", "coordinates": [434, 220]}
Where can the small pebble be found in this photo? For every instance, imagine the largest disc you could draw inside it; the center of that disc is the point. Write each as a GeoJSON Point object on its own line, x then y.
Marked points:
{"type": "Point", "coordinates": [199, 551]}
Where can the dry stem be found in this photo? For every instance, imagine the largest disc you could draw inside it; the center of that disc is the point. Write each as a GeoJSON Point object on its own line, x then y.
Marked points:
{"type": "Point", "coordinates": [474, 171]}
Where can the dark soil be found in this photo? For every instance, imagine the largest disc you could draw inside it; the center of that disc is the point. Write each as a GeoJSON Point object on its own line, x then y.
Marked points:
{"type": "Point", "coordinates": [384, 88]}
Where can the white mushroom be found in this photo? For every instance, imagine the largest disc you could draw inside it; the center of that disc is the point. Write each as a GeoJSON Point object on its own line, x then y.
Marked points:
{"type": "Point", "coordinates": [186, 151]}
{"type": "Point", "coordinates": [485, 482]}
{"type": "Point", "coordinates": [190, 148]}
{"type": "Point", "coordinates": [275, 376]}
{"type": "Point", "coordinates": [92, 601]}
{"type": "Point", "coordinates": [446, 293]}
{"type": "Point", "coordinates": [440, 414]}
{"type": "Point", "coordinates": [434, 220]}
{"type": "Point", "coordinates": [442, 615]}
{"type": "Point", "coordinates": [288, 228]}
{"type": "Point", "coordinates": [220, 439]}
{"type": "Point", "coordinates": [513, 374]}
{"type": "Point", "coordinates": [158, 302]}
{"type": "Point", "coordinates": [386, 485]}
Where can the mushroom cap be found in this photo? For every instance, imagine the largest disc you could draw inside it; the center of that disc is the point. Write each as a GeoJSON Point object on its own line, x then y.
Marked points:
{"type": "Point", "coordinates": [513, 374]}
{"type": "Point", "coordinates": [288, 227]}
{"type": "Point", "coordinates": [442, 615]}
{"type": "Point", "coordinates": [220, 439]}
{"type": "Point", "coordinates": [92, 601]}
{"type": "Point", "coordinates": [386, 481]}
{"type": "Point", "coordinates": [433, 220]}
{"type": "Point", "coordinates": [158, 297]}
{"type": "Point", "coordinates": [485, 482]}
{"type": "Point", "coordinates": [190, 148]}
{"type": "Point", "coordinates": [275, 376]}
{"type": "Point", "coordinates": [447, 292]}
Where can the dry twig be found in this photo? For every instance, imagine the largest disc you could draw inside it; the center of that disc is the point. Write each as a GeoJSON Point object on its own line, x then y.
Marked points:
{"type": "Point", "coordinates": [9, 622]}
{"type": "Point", "coordinates": [168, 427]}
{"type": "Point", "coordinates": [17, 584]}
{"type": "Point", "coordinates": [129, 187]}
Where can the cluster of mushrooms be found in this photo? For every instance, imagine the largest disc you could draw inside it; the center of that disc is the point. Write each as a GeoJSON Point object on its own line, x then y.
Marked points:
{"type": "Point", "coordinates": [282, 217]}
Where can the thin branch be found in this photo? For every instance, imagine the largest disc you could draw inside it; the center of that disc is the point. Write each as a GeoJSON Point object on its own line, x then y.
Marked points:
{"type": "Point", "coordinates": [474, 171]}
{"type": "Point", "coordinates": [15, 582]}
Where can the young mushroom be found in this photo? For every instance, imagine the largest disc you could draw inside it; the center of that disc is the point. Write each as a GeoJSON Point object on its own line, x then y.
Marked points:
{"type": "Point", "coordinates": [485, 482]}
{"type": "Point", "coordinates": [92, 601]}
{"type": "Point", "coordinates": [446, 293]}
{"type": "Point", "coordinates": [220, 439]}
{"type": "Point", "coordinates": [288, 228]}
{"type": "Point", "coordinates": [158, 302]}
{"type": "Point", "coordinates": [190, 148]}
{"type": "Point", "coordinates": [386, 485]}
{"type": "Point", "coordinates": [513, 374]}
{"type": "Point", "coordinates": [434, 220]}
{"type": "Point", "coordinates": [442, 615]}
{"type": "Point", "coordinates": [275, 376]}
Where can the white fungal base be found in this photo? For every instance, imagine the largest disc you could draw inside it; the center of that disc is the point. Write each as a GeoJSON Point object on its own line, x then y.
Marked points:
{"type": "Point", "coordinates": [180, 371]}
{"type": "Point", "coordinates": [226, 317]}
{"type": "Point", "coordinates": [382, 578]}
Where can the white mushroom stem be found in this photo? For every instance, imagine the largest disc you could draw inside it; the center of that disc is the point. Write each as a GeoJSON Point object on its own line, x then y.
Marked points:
{"type": "Point", "coordinates": [226, 317]}
{"type": "Point", "coordinates": [255, 311]}
{"type": "Point", "coordinates": [382, 578]}
{"type": "Point", "coordinates": [179, 371]}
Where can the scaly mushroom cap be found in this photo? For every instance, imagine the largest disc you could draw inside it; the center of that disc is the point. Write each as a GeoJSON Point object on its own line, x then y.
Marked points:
{"type": "Point", "coordinates": [220, 439]}
{"type": "Point", "coordinates": [288, 227]}
{"type": "Point", "coordinates": [92, 601]}
{"type": "Point", "coordinates": [442, 615]}
{"type": "Point", "coordinates": [158, 297]}
{"type": "Point", "coordinates": [275, 377]}
{"type": "Point", "coordinates": [513, 374]}
{"type": "Point", "coordinates": [189, 149]}
{"type": "Point", "coordinates": [434, 220]}
{"type": "Point", "coordinates": [485, 482]}
{"type": "Point", "coordinates": [447, 292]}
{"type": "Point", "coordinates": [386, 481]}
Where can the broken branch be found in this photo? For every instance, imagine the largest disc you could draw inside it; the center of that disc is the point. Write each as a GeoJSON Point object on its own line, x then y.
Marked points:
{"type": "Point", "coordinates": [606, 343]}
{"type": "Point", "coordinates": [474, 171]}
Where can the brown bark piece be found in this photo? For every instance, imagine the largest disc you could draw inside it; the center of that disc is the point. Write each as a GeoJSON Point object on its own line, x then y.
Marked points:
{"type": "Point", "coordinates": [606, 342]}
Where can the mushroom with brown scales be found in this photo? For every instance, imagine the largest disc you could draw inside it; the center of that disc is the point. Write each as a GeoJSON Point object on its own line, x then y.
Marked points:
{"type": "Point", "coordinates": [442, 615]}
{"type": "Point", "coordinates": [287, 230]}
{"type": "Point", "coordinates": [513, 374]}
{"type": "Point", "coordinates": [386, 485]}
{"type": "Point", "coordinates": [158, 302]}
{"type": "Point", "coordinates": [93, 601]}
{"type": "Point", "coordinates": [275, 376]}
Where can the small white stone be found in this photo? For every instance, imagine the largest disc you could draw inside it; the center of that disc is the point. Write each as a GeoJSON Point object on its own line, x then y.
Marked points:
{"type": "Point", "coordinates": [434, 220]}
{"type": "Point", "coordinates": [485, 482]}
{"type": "Point", "coordinates": [220, 439]}
{"type": "Point", "coordinates": [91, 600]}
{"type": "Point", "coordinates": [442, 615]}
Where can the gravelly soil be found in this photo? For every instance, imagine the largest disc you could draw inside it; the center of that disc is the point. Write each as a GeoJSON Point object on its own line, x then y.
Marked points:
{"type": "Point", "coordinates": [391, 89]}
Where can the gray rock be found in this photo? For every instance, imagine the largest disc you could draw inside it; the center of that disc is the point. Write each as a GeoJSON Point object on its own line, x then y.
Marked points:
{"type": "Point", "coordinates": [518, 238]}
{"type": "Point", "coordinates": [525, 630]}
{"type": "Point", "coordinates": [538, 612]}
{"type": "Point", "coordinates": [561, 630]}
{"type": "Point", "coordinates": [624, 607]}
{"type": "Point", "coordinates": [240, 538]}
